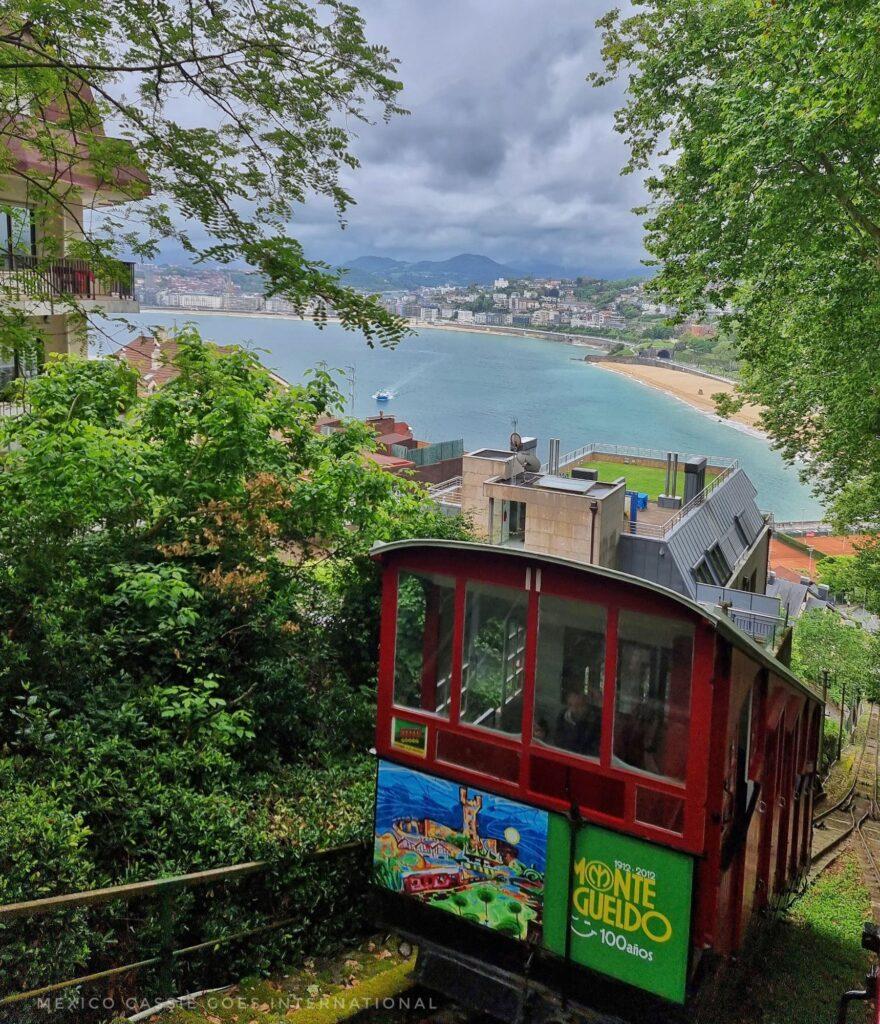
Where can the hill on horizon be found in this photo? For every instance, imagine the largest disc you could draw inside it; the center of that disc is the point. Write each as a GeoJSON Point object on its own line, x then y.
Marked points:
{"type": "Point", "coordinates": [381, 273]}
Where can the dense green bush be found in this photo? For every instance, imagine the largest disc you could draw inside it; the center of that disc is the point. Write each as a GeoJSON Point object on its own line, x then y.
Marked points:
{"type": "Point", "coordinates": [188, 639]}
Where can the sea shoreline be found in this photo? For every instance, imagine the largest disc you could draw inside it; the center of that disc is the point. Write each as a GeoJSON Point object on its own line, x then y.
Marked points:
{"type": "Point", "coordinates": [685, 387]}
{"type": "Point", "coordinates": [575, 341]}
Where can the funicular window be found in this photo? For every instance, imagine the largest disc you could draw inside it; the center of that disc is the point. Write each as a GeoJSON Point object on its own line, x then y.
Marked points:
{"type": "Point", "coordinates": [423, 649]}
{"type": "Point", "coordinates": [652, 707]}
{"type": "Point", "coordinates": [570, 675]}
{"type": "Point", "coordinates": [493, 667]}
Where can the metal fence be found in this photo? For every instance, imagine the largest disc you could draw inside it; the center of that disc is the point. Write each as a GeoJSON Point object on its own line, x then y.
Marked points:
{"type": "Point", "coordinates": [430, 454]}
{"type": "Point", "coordinates": [760, 616]}
{"type": "Point", "coordinates": [165, 889]}
{"type": "Point", "coordinates": [624, 452]}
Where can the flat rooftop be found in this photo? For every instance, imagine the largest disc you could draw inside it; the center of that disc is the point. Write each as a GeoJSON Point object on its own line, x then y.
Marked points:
{"type": "Point", "coordinates": [564, 484]}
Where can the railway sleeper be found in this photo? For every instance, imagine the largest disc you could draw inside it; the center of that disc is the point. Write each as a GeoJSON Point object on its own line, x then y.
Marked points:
{"type": "Point", "coordinates": [482, 987]}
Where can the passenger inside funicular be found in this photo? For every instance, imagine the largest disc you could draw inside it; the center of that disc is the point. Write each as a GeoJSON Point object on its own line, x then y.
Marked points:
{"type": "Point", "coordinates": [653, 678]}
{"type": "Point", "coordinates": [652, 705]}
{"type": "Point", "coordinates": [570, 675]}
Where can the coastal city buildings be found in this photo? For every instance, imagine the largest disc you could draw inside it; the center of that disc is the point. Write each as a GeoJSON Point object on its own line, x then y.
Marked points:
{"type": "Point", "coordinates": [566, 308]}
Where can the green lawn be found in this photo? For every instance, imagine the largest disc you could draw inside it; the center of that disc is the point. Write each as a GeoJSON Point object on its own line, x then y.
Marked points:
{"type": "Point", "coordinates": [647, 479]}
{"type": "Point", "coordinates": [811, 957]}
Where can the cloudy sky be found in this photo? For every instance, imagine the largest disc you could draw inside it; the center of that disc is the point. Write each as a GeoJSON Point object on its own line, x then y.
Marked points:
{"type": "Point", "coordinates": [507, 151]}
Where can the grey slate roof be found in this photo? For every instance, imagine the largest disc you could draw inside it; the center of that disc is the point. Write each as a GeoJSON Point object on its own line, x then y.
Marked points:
{"type": "Point", "coordinates": [670, 561]}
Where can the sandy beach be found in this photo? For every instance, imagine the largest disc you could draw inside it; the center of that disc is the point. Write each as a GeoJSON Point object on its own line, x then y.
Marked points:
{"type": "Point", "coordinates": [691, 388]}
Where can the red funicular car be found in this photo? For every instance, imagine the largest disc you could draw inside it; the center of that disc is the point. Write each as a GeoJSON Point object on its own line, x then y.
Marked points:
{"type": "Point", "coordinates": [587, 784]}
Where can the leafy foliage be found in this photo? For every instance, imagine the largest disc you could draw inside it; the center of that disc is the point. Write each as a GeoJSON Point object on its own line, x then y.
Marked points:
{"type": "Point", "coordinates": [823, 641]}
{"type": "Point", "coordinates": [855, 578]}
{"type": "Point", "coordinates": [230, 114]}
{"type": "Point", "coordinates": [756, 124]}
{"type": "Point", "coordinates": [188, 634]}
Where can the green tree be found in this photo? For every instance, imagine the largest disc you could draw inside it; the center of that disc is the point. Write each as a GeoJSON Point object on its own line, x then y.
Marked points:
{"type": "Point", "coordinates": [485, 895]}
{"type": "Point", "coordinates": [516, 910]}
{"type": "Point", "coordinates": [234, 113]}
{"type": "Point", "coordinates": [823, 641]}
{"type": "Point", "coordinates": [459, 901]}
{"type": "Point", "coordinates": [855, 578]}
{"type": "Point", "coordinates": [756, 126]}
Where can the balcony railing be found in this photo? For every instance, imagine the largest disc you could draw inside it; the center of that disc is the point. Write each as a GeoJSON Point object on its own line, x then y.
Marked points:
{"type": "Point", "coordinates": [761, 616]}
{"type": "Point", "coordinates": [29, 277]}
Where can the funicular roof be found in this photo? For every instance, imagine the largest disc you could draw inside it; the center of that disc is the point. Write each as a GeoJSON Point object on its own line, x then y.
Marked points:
{"type": "Point", "coordinates": [724, 625]}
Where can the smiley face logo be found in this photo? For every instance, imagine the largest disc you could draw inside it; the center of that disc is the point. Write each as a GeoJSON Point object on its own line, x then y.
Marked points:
{"type": "Point", "coordinates": [599, 876]}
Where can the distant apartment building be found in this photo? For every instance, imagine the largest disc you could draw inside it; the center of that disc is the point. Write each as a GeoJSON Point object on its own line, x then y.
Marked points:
{"type": "Point", "coordinates": [465, 316]}
{"type": "Point", "coordinates": [37, 274]}
{"type": "Point", "coordinates": [191, 300]}
{"type": "Point", "coordinates": [610, 318]}
{"type": "Point", "coordinates": [501, 282]}
{"type": "Point", "coordinates": [428, 313]}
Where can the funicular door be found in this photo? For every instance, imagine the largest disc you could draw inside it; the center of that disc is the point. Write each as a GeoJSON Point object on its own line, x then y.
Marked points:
{"type": "Point", "coordinates": [768, 808]}
{"type": "Point", "coordinates": [785, 801]}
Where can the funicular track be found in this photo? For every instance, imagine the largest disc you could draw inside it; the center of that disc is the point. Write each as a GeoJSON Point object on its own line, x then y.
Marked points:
{"type": "Point", "coordinates": [856, 812]}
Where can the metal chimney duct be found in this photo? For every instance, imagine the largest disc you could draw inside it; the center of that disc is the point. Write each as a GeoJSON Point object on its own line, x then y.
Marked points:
{"type": "Point", "coordinates": [694, 478]}
{"type": "Point", "coordinates": [668, 483]}
{"type": "Point", "coordinates": [674, 474]}
{"type": "Point", "coordinates": [553, 460]}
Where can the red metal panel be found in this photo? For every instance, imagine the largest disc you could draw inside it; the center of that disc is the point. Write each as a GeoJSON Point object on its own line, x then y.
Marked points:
{"type": "Point", "coordinates": [610, 695]}
{"type": "Point", "coordinates": [387, 630]}
{"type": "Point", "coordinates": [457, 648]}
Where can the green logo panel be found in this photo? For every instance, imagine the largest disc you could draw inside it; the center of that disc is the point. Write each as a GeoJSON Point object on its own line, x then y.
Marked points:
{"type": "Point", "coordinates": [630, 907]}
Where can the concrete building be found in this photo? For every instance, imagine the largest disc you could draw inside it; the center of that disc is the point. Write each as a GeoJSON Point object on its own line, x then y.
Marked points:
{"type": "Point", "coordinates": [37, 274]}
{"type": "Point", "coordinates": [705, 532]}
{"type": "Point", "coordinates": [512, 503]}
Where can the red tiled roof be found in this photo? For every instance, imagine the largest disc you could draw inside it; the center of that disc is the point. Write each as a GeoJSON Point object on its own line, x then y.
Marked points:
{"type": "Point", "coordinates": [395, 438]}
{"type": "Point", "coordinates": [388, 461]}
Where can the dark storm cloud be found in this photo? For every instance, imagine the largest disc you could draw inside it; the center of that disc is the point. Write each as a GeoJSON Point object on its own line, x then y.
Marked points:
{"type": "Point", "coordinates": [507, 149]}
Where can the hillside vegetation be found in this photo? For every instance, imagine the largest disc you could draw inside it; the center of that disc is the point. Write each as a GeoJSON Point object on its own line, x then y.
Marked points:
{"type": "Point", "coordinates": [188, 634]}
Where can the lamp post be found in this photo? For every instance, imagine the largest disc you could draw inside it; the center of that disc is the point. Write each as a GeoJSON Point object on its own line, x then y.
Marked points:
{"type": "Point", "coordinates": [840, 729]}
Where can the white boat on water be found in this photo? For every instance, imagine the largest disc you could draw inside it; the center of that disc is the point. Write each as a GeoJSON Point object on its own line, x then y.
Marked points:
{"type": "Point", "coordinates": [384, 395]}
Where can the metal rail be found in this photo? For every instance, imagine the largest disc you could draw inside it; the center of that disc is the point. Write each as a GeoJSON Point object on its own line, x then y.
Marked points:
{"type": "Point", "coordinates": [856, 806]}
{"type": "Point", "coordinates": [165, 888]}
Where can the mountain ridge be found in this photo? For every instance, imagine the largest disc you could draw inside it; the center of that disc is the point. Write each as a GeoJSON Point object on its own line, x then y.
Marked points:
{"type": "Point", "coordinates": [381, 273]}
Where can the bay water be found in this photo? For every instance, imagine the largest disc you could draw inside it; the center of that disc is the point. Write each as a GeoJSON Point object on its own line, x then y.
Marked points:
{"type": "Point", "coordinates": [476, 386]}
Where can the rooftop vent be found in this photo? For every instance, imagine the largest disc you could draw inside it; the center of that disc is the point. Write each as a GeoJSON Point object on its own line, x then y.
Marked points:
{"type": "Point", "coordinates": [694, 477]}
{"type": "Point", "coordinates": [771, 576]}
